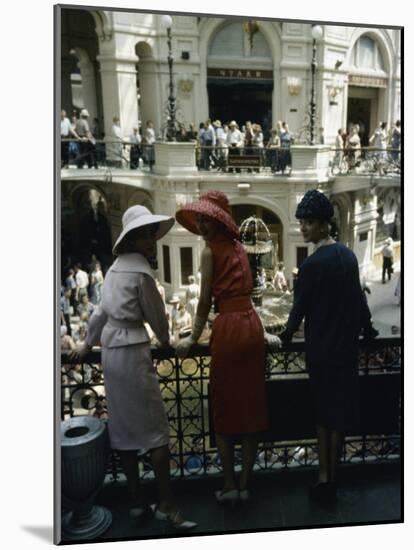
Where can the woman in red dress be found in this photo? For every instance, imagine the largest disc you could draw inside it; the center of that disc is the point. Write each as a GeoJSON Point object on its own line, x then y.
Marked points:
{"type": "Point", "coordinates": [237, 377]}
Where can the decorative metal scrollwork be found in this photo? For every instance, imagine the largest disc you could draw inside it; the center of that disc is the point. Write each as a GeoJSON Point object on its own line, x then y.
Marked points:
{"type": "Point", "coordinates": [184, 387]}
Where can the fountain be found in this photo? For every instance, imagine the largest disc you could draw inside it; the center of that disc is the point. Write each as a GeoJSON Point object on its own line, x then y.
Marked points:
{"type": "Point", "coordinates": [273, 307]}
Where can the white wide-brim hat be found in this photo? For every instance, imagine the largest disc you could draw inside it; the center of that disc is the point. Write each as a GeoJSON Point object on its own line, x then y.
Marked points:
{"type": "Point", "coordinates": [84, 112]}
{"type": "Point", "coordinates": [139, 216]}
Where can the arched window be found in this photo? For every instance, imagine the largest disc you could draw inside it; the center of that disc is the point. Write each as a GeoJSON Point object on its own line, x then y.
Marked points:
{"type": "Point", "coordinates": [367, 55]}
{"type": "Point", "coordinates": [232, 40]}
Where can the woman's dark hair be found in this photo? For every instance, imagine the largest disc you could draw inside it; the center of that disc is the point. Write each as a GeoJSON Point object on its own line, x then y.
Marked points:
{"type": "Point", "coordinates": [126, 245]}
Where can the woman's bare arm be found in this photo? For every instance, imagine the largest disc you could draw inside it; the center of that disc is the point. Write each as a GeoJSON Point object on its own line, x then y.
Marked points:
{"type": "Point", "coordinates": [204, 303]}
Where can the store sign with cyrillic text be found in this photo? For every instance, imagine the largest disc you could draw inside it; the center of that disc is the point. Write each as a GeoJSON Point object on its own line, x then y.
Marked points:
{"type": "Point", "coordinates": [243, 74]}
{"type": "Point", "coordinates": [371, 81]}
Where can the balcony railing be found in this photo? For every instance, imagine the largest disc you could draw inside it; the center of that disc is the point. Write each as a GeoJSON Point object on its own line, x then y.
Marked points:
{"type": "Point", "coordinates": [106, 154]}
{"type": "Point", "coordinates": [290, 443]}
{"type": "Point", "coordinates": [278, 162]}
{"type": "Point", "coordinates": [365, 161]}
{"type": "Point", "coordinates": [242, 159]}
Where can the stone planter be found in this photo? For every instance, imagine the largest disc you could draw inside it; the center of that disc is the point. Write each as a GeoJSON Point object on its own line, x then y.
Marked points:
{"type": "Point", "coordinates": [172, 158]}
{"type": "Point", "coordinates": [85, 448]}
{"type": "Point", "coordinates": [310, 162]}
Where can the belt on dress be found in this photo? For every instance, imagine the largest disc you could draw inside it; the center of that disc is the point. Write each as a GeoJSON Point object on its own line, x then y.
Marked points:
{"type": "Point", "coordinates": [123, 323]}
{"type": "Point", "coordinates": [234, 303]}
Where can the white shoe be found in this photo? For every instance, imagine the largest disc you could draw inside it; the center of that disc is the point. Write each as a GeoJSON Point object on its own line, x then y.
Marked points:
{"type": "Point", "coordinates": [172, 518]}
{"type": "Point", "coordinates": [227, 497]}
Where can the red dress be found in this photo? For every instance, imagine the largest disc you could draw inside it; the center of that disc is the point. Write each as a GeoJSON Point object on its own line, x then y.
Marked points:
{"type": "Point", "coordinates": [237, 377]}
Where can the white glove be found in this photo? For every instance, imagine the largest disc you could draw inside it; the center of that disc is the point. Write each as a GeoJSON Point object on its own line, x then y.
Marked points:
{"type": "Point", "coordinates": [183, 347]}
{"type": "Point", "coordinates": [273, 341]}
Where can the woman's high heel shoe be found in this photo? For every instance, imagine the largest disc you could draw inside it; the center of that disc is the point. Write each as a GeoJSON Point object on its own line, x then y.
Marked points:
{"type": "Point", "coordinates": [227, 497]}
{"type": "Point", "coordinates": [174, 519]}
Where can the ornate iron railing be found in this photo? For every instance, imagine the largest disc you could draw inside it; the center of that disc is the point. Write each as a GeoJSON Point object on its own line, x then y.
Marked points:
{"type": "Point", "coordinates": [184, 387]}
{"type": "Point", "coordinates": [365, 161]}
{"type": "Point", "coordinates": [237, 159]}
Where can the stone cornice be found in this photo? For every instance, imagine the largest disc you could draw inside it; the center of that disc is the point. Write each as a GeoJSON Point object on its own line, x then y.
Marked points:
{"type": "Point", "coordinates": [126, 59]}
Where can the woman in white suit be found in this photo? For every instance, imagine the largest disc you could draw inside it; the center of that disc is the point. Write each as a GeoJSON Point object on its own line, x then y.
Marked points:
{"type": "Point", "coordinates": [136, 414]}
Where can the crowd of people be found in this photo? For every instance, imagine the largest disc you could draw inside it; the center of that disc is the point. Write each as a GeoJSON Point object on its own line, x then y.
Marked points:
{"type": "Point", "coordinates": [81, 293]}
{"type": "Point", "coordinates": [83, 143]}
{"type": "Point", "coordinates": [386, 145]}
{"type": "Point", "coordinates": [220, 143]}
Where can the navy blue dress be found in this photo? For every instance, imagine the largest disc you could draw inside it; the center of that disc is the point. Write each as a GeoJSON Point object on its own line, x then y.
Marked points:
{"type": "Point", "coordinates": [328, 295]}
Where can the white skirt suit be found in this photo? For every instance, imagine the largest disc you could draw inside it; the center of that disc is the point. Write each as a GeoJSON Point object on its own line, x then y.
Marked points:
{"type": "Point", "coordinates": [136, 414]}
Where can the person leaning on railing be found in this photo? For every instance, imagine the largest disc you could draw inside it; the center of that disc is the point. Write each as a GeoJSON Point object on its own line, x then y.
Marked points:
{"type": "Point", "coordinates": [286, 140]}
{"type": "Point", "coordinates": [237, 343]}
{"type": "Point", "coordinates": [87, 145]}
{"type": "Point", "coordinates": [135, 150]}
{"type": "Point", "coordinates": [148, 140]}
{"type": "Point", "coordinates": [329, 297]}
{"type": "Point", "coordinates": [136, 413]}
{"type": "Point", "coordinates": [235, 141]}
{"type": "Point", "coordinates": [257, 143]}
{"type": "Point", "coordinates": [209, 142]}
{"type": "Point", "coordinates": [221, 144]}
{"type": "Point", "coordinates": [66, 132]}
{"type": "Point", "coordinates": [354, 148]}
{"type": "Point", "coordinates": [339, 150]}
{"type": "Point", "coordinates": [395, 141]}
{"type": "Point", "coordinates": [273, 149]}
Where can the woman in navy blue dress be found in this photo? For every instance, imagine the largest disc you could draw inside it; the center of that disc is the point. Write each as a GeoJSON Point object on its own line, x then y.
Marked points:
{"type": "Point", "coordinates": [329, 297]}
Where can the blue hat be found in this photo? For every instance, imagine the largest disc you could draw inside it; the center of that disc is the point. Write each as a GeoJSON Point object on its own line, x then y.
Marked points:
{"type": "Point", "coordinates": [315, 205]}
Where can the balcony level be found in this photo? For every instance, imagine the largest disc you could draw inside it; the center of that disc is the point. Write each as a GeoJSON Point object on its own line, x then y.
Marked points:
{"type": "Point", "coordinates": [286, 463]}
{"type": "Point", "coordinates": [318, 164]}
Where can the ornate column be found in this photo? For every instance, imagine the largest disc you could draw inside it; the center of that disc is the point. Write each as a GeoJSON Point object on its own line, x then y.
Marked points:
{"type": "Point", "coordinates": [364, 226]}
{"type": "Point", "coordinates": [150, 90]}
{"type": "Point", "coordinates": [119, 91]}
{"type": "Point", "coordinates": [87, 71]}
{"type": "Point", "coordinates": [66, 86]}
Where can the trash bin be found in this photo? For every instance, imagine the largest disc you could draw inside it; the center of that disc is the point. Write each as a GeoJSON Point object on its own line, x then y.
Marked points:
{"type": "Point", "coordinates": [84, 456]}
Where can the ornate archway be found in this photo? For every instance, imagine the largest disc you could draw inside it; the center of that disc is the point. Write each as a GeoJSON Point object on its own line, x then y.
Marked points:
{"type": "Point", "coordinates": [240, 76]}
{"type": "Point", "coordinates": [389, 215]}
{"type": "Point", "coordinates": [266, 41]}
{"type": "Point", "coordinates": [369, 63]}
{"type": "Point", "coordinates": [80, 76]}
{"type": "Point", "coordinates": [86, 229]}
